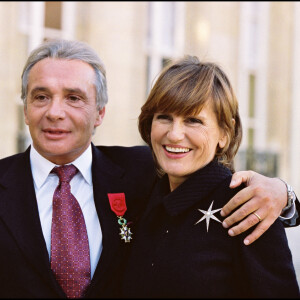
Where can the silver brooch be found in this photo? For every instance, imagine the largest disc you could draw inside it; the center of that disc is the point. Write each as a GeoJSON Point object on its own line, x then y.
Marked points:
{"type": "Point", "coordinates": [209, 214]}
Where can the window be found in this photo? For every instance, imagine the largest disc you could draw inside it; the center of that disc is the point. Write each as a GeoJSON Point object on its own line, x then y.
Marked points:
{"type": "Point", "coordinates": [252, 89]}
{"type": "Point", "coordinates": [164, 36]}
{"type": "Point", "coordinates": [53, 15]}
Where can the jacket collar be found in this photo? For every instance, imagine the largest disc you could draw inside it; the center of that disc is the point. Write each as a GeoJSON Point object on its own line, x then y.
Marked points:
{"type": "Point", "coordinates": [198, 186]}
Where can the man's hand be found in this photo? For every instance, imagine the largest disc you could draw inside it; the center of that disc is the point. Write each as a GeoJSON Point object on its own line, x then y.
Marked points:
{"type": "Point", "coordinates": [262, 195]}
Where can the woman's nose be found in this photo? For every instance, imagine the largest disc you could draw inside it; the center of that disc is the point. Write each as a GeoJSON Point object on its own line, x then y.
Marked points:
{"type": "Point", "coordinates": [176, 131]}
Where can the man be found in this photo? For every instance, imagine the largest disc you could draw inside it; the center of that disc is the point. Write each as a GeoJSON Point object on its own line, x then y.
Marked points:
{"type": "Point", "coordinates": [64, 93]}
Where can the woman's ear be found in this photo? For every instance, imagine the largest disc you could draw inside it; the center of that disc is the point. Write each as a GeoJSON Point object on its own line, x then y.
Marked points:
{"type": "Point", "coordinates": [225, 136]}
{"type": "Point", "coordinates": [223, 140]}
{"type": "Point", "coordinates": [233, 122]}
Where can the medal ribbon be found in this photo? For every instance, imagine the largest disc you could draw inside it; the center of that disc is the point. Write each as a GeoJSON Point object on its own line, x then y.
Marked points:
{"type": "Point", "coordinates": [118, 206]}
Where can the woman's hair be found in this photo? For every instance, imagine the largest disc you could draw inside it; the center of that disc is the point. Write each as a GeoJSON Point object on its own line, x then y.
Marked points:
{"type": "Point", "coordinates": [72, 50]}
{"type": "Point", "coordinates": [183, 88]}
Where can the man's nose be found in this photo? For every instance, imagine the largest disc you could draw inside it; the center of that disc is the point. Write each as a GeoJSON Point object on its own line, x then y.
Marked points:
{"type": "Point", "coordinates": [56, 109]}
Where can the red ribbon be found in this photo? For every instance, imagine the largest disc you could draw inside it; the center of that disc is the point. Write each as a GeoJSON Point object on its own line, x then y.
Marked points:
{"type": "Point", "coordinates": [117, 203]}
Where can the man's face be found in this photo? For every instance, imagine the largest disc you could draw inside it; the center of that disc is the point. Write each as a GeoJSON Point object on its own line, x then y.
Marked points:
{"type": "Point", "coordinates": [61, 109]}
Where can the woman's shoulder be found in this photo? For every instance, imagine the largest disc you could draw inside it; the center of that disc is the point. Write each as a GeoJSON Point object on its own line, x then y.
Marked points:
{"type": "Point", "coordinates": [224, 191]}
{"type": "Point", "coordinates": [218, 178]}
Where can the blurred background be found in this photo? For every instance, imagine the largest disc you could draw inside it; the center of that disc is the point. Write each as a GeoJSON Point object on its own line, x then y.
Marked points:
{"type": "Point", "coordinates": [256, 43]}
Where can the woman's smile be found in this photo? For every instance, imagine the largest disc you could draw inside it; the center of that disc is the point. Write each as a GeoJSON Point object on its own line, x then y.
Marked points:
{"type": "Point", "coordinates": [182, 145]}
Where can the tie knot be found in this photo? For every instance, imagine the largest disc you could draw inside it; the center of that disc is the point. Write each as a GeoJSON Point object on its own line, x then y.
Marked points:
{"type": "Point", "coordinates": [65, 173]}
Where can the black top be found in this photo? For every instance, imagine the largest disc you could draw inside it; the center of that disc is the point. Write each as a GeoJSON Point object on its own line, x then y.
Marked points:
{"type": "Point", "coordinates": [172, 256]}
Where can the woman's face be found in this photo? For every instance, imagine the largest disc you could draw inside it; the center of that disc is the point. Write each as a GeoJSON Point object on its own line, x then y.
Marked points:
{"type": "Point", "coordinates": [183, 145]}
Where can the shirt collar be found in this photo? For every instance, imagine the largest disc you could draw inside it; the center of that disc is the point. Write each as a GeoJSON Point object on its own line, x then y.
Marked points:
{"type": "Point", "coordinates": [41, 167]}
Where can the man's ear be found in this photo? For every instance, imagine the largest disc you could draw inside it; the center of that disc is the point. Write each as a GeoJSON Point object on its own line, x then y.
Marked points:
{"type": "Point", "coordinates": [100, 117]}
{"type": "Point", "coordinates": [25, 114]}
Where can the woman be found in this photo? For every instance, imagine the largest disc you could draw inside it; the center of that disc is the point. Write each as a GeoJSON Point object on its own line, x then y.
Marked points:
{"type": "Point", "coordinates": [180, 249]}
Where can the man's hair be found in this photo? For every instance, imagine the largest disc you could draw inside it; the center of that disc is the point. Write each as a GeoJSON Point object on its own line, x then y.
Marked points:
{"type": "Point", "coordinates": [70, 50]}
{"type": "Point", "coordinates": [183, 88]}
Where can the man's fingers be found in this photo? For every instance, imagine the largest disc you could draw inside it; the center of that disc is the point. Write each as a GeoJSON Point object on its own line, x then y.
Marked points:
{"type": "Point", "coordinates": [245, 224]}
{"type": "Point", "coordinates": [257, 232]}
{"type": "Point", "coordinates": [260, 218]}
{"type": "Point", "coordinates": [239, 177]}
{"type": "Point", "coordinates": [262, 196]}
{"type": "Point", "coordinates": [235, 181]}
{"type": "Point", "coordinates": [246, 214]}
{"type": "Point", "coordinates": [241, 197]}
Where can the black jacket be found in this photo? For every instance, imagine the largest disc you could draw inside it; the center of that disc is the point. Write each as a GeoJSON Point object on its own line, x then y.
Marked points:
{"type": "Point", "coordinates": [24, 261]}
{"type": "Point", "coordinates": [172, 256]}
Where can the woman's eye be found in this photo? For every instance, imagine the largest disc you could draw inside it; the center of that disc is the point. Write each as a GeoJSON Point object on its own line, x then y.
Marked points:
{"type": "Point", "coordinates": [163, 117]}
{"type": "Point", "coordinates": [194, 121]}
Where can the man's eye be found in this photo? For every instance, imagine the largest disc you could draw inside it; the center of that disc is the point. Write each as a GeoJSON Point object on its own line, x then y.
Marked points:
{"type": "Point", "coordinates": [40, 97]}
{"type": "Point", "coordinates": [74, 98]}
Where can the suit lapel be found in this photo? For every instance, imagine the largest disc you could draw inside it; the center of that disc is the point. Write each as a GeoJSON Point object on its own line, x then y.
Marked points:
{"type": "Point", "coordinates": [107, 178]}
{"type": "Point", "coordinates": [19, 211]}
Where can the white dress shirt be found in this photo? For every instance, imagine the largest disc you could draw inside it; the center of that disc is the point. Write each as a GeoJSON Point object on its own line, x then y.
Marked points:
{"type": "Point", "coordinates": [45, 184]}
{"type": "Point", "coordinates": [289, 213]}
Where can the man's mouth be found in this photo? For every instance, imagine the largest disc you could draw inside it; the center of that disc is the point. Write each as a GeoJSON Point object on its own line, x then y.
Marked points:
{"type": "Point", "coordinates": [56, 131]}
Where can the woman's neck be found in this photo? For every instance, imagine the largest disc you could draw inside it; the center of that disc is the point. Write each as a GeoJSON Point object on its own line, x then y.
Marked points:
{"type": "Point", "coordinates": [176, 181]}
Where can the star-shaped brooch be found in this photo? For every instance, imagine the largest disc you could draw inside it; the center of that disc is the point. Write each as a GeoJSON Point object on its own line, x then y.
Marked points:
{"type": "Point", "coordinates": [208, 214]}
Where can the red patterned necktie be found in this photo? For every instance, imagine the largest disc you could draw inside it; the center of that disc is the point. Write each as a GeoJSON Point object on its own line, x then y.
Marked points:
{"type": "Point", "coordinates": [70, 255]}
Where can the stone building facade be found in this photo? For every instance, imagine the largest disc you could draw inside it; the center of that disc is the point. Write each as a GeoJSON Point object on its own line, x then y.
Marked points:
{"type": "Point", "coordinates": [256, 43]}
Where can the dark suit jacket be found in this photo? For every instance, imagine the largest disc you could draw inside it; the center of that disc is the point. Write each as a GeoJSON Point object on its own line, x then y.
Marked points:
{"type": "Point", "coordinates": [24, 261]}
{"type": "Point", "coordinates": [172, 256]}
